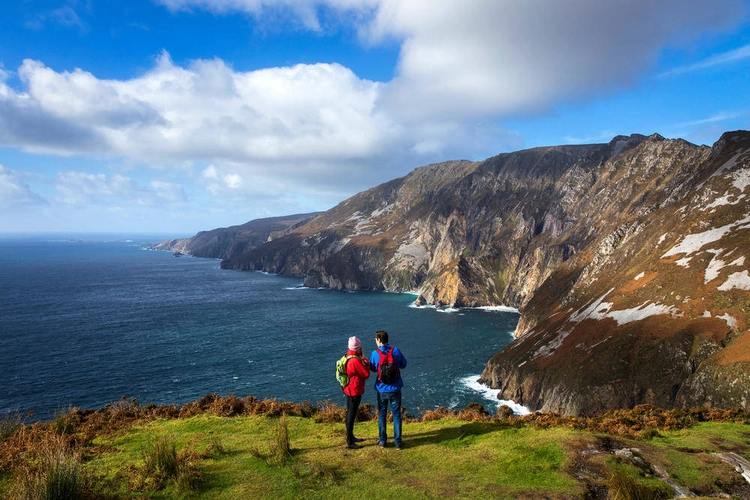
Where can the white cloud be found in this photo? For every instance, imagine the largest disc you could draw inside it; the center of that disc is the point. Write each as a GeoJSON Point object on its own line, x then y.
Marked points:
{"type": "Point", "coordinates": [479, 57]}
{"type": "Point", "coordinates": [311, 128]}
{"type": "Point", "coordinates": [207, 110]}
{"type": "Point", "coordinates": [233, 181]}
{"type": "Point", "coordinates": [319, 129]}
{"type": "Point", "coordinates": [461, 62]}
{"type": "Point", "coordinates": [731, 56]}
{"type": "Point", "coordinates": [15, 193]}
{"type": "Point", "coordinates": [305, 12]}
{"type": "Point", "coordinates": [220, 184]}
{"type": "Point", "coordinates": [65, 16]}
{"type": "Point", "coordinates": [82, 188]}
{"type": "Point", "coordinates": [482, 58]}
{"type": "Point", "coordinates": [167, 192]}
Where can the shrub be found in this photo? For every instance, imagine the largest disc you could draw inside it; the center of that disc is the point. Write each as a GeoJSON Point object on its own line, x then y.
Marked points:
{"type": "Point", "coordinates": [163, 463]}
{"type": "Point", "coordinates": [65, 423]}
{"type": "Point", "coordinates": [307, 409]}
{"type": "Point", "coordinates": [281, 449]}
{"type": "Point", "coordinates": [228, 406]}
{"type": "Point", "coordinates": [623, 486]}
{"type": "Point", "coordinates": [330, 413]}
{"type": "Point", "coordinates": [160, 458]}
{"type": "Point", "coordinates": [438, 413]}
{"type": "Point", "coordinates": [215, 447]}
{"type": "Point", "coordinates": [58, 476]}
{"type": "Point", "coordinates": [504, 412]}
{"type": "Point", "coordinates": [473, 412]}
{"type": "Point", "coordinates": [365, 412]}
{"type": "Point", "coordinates": [10, 423]}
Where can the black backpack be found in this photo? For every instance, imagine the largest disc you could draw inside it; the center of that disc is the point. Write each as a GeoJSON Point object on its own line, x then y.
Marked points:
{"type": "Point", "coordinates": [387, 369]}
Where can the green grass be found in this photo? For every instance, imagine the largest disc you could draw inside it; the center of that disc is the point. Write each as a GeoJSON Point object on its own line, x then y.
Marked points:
{"type": "Point", "coordinates": [443, 458]}
{"type": "Point", "coordinates": [687, 454]}
{"type": "Point", "coordinates": [128, 452]}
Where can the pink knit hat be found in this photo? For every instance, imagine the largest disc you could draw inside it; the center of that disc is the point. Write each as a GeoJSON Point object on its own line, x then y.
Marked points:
{"type": "Point", "coordinates": [354, 343]}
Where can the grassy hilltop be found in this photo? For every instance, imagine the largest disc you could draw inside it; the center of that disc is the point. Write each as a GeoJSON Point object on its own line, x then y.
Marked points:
{"type": "Point", "coordinates": [230, 448]}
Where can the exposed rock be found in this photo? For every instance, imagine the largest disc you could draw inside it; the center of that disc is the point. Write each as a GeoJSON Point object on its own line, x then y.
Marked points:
{"type": "Point", "coordinates": [656, 311]}
{"type": "Point", "coordinates": [740, 464]}
{"type": "Point", "coordinates": [629, 262]}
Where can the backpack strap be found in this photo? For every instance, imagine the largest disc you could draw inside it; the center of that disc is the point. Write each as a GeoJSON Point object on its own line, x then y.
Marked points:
{"type": "Point", "coordinates": [389, 354]}
{"type": "Point", "coordinates": [346, 363]}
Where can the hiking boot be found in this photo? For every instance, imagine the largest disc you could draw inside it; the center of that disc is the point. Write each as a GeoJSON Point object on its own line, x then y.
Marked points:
{"type": "Point", "coordinates": [353, 446]}
{"type": "Point", "coordinates": [358, 440]}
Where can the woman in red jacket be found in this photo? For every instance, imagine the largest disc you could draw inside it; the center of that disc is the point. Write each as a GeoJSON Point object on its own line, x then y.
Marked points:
{"type": "Point", "coordinates": [357, 369]}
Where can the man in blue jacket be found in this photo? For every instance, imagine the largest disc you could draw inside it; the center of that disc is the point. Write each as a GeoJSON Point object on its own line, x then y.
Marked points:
{"type": "Point", "coordinates": [388, 362]}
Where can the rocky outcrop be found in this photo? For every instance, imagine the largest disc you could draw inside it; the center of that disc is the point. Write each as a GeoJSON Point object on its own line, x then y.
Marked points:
{"type": "Point", "coordinates": [628, 261]}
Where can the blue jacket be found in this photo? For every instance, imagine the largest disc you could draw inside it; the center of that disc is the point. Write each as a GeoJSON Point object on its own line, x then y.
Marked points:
{"type": "Point", "coordinates": [400, 361]}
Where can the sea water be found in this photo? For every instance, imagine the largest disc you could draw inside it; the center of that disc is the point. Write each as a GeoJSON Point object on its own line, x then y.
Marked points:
{"type": "Point", "coordinates": [85, 321]}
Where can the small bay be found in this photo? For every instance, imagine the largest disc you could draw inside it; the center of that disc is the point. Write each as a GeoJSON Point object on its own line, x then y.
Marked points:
{"type": "Point", "coordinates": [87, 320]}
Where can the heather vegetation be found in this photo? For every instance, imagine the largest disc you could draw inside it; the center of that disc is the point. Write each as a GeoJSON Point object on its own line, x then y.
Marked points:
{"type": "Point", "coordinates": [230, 447]}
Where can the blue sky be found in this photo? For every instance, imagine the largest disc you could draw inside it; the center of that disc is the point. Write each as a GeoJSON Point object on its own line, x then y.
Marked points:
{"type": "Point", "coordinates": [175, 116]}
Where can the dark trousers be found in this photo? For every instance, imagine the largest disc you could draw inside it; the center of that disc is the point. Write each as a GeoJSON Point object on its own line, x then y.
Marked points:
{"type": "Point", "coordinates": [352, 405]}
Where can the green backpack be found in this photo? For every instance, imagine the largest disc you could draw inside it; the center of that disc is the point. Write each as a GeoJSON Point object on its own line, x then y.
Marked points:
{"type": "Point", "coordinates": [341, 375]}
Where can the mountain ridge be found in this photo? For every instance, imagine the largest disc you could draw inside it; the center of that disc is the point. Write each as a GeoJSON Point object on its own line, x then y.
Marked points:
{"type": "Point", "coordinates": [223, 243]}
{"type": "Point", "coordinates": [561, 233]}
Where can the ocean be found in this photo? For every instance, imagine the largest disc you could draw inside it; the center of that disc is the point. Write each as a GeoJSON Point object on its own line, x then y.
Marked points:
{"type": "Point", "coordinates": [87, 320]}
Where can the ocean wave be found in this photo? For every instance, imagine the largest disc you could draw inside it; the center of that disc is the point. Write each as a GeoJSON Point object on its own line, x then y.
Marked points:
{"type": "Point", "coordinates": [436, 308]}
{"type": "Point", "coordinates": [449, 310]}
{"type": "Point", "coordinates": [443, 309]}
{"type": "Point", "coordinates": [472, 382]}
{"type": "Point", "coordinates": [500, 309]}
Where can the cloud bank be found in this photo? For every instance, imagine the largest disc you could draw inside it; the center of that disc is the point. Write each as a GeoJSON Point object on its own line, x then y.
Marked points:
{"type": "Point", "coordinates": [321, 130]}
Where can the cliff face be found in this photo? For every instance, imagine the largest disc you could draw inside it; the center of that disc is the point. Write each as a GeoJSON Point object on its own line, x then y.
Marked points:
{"type": "Point", "coordinates": [460, 233]}
{"type": "Point", "coordinates": [224, 243]}
{"type": "Point", "coordinates": [627, 260]}
{"type": "Point", "coordinates": [656, 310]}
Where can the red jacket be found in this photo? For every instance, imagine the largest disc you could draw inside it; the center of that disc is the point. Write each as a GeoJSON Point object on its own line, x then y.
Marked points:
{"type": "Point", "coordinates": [357, 369]}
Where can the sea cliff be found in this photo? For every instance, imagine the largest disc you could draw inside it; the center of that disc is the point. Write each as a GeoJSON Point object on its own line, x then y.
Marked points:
{"type": "Point", "coordinates": [627, 260]}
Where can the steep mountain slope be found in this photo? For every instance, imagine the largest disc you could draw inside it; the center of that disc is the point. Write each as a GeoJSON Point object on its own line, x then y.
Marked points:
{"type": "Point", "coordinates": [224, 243]}
{"type": "Point", "coordinates": [469, 234]}
{"type": "Point", "coordinates": [627, 261]}
{"type": "Point", "coordinates": [656, 312]}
